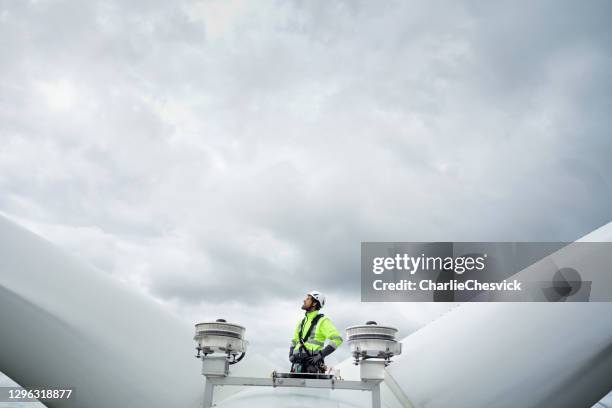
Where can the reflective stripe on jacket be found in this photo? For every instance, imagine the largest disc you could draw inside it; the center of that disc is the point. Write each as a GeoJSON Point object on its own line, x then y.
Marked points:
{"type": "Point", "coordinates": [324, 330]}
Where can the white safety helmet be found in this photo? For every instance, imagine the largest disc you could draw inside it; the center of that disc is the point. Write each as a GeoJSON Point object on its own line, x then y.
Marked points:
{"type": "Point", "coordinates": [318, 296]}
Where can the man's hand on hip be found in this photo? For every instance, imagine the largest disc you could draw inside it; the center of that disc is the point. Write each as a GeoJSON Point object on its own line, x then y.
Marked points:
{"type": "Point", "coordinates": [315, 359]}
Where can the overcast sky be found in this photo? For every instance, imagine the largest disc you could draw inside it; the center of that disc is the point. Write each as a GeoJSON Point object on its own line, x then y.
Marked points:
{"type": "Point", "coordinates": [224, 157]}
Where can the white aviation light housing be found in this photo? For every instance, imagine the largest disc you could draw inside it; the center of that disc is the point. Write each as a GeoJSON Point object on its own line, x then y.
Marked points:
{"type": "Point", "coordinates": [219, 344]}
{"type": "Point", "coordinates": [220, 337]}
{"type": "Point", "coordinates": [372, 347]}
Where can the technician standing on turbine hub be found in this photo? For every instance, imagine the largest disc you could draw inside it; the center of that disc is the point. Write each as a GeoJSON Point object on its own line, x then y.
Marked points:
{"type": "Point", "coordinates": [307, 353]}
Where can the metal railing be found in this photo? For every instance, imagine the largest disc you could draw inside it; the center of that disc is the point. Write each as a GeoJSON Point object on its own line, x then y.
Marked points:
{"type": "Point", "coordinates": [288, 380]}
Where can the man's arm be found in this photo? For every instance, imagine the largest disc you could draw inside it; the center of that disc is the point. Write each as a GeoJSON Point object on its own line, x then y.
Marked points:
{"type": "Point", "coordinates": [331, 333]}
{"type": "Point", "coordinates": [294, 342]}
{"type": "Point", "coordinates": [335, 340]}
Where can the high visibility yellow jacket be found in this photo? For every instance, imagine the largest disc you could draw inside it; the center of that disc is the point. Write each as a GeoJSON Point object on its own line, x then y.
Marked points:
{"type": "Point", "coordinates": [324, 330]}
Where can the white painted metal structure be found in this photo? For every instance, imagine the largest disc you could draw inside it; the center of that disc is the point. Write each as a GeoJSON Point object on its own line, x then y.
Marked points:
{"type": "Point", "coordinates": [64, 323]}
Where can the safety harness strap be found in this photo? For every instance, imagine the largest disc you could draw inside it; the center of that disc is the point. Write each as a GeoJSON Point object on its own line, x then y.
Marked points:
{"type": "Point", "coordinates": [310, 329]}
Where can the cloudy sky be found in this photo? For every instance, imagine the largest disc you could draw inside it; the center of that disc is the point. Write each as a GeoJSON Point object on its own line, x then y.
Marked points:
{"type": "Point", "coordinates": [224, 157]}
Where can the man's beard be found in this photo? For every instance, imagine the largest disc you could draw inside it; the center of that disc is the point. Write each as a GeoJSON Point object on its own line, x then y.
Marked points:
{"type": "Point", "coordinates": [308, 309]}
